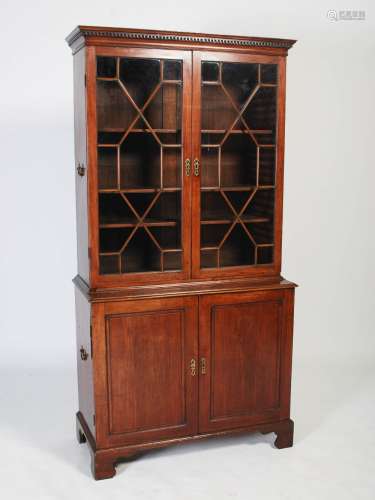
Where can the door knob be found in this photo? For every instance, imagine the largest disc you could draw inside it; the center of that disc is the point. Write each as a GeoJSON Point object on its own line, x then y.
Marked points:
{"type": "Point", "coordinates": [83, 353]}
{"type": "Point", "coordinates": [81, 169]}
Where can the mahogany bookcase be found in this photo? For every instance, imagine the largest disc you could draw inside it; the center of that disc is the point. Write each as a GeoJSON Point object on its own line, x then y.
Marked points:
{"type": "Point", "coordinates": [184, 323]}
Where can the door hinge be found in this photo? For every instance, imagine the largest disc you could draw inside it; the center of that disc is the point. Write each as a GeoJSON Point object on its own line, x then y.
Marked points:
{"type": "Point", "coordinates": [89, 253]}
{"type": "Point", "coordinates": [85, 79]}
{"type": "Point", "coordinates": [93, 419]}
{"type": "Point", "coordinates": [91, 349]}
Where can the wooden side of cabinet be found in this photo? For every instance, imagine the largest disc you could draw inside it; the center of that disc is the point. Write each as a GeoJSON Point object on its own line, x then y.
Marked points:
{"type": "Point", "coordinates": [245, 346]}
{"type": "Point", "coordinates": [84, 359]}
{"type": "Point", "coordinates": [145, 357]}
{"type": "Point", "coordinates": [80, 153]}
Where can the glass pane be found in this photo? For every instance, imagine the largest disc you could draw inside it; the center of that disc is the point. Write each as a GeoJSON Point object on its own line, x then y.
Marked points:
{"type": "Point", "coordinates": [163, 113]}
{"type": "Point", "coordinates": [171, 167]}
{"type": "Point", "coordinates": [139, 121]}
{"type": "Point", "coordinates": [172, 70]}
{"type": "Point", "coordinates": [107, 168]}
{"type": "Point", "coordinates": [268, 73]}
{"type": "Point", "coordinates": [238, 250]}
{"type": "Point", "coordinates": [240, 80]}
{"type": "Point", "coordinates": [218, 113]}
{"type": "Point", "coordinates": [210, 71]}
{"type": "Point", "coordinates": [238, 161]}
{"type": "Point", "coordinates": [139, 77]}
{"type": "Point", "coordinates": [238, 122]}
{"type": "Point", "coordinates": [113, 209]}
{"type": "Point", "coordinates": [106, 67]}
{"type": "Point", "coordinates": [209, 258]}
{"type": "Point", "coordinates": [140, 162]}
{"type": "Point", "coordinates": [115, 112]}
{"type": "Point", "coordinates": [141, 254]}
{"type": "Point", "coordinates": [210, 167]}
{"type": "Point", "coordinates": [214, 207]}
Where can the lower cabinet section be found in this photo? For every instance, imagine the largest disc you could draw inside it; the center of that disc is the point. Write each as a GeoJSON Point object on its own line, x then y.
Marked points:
{"type": "Point", "coordinates": [175, 369]}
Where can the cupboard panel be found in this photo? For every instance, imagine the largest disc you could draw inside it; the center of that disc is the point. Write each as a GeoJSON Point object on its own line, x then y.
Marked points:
{"type": "Point", "coordinates": [243, 340]}
{"type": "Point", "coordinates": [146, 352]}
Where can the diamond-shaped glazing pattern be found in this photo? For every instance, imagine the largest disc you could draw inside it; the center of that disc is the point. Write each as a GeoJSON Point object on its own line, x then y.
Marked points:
{"type": "Point", "coordinates": [139, 121]}
{"type": "Point", "coordinates": [238, 124]}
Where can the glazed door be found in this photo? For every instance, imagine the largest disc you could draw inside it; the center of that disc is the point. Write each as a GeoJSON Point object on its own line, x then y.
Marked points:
{"type": "Point", "coordinates": [145, 354]}
{"type": "Point", "coordinates": [238, 133]}
{"type": "Point", "coordinates": [245, 359]}
{"type": "Point", "coordinates": [140, 134]}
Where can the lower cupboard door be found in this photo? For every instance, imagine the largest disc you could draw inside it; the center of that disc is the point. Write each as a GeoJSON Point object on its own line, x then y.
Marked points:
{"type": "Point", "coordinates": [245, 343]}
{"type": "Point", "coordinates": [147, 382]}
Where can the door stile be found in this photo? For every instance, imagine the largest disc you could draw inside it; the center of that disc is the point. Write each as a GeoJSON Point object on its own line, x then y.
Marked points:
{"type": "Point", "coordinates": [196, 150]}
{"type": "Point", "coordinates": [186, 154]}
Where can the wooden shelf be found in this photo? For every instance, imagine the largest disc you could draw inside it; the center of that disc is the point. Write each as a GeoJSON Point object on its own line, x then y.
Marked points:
{"type": "Point", "coordinates": [213, 248]}
{"type": "Point", "coordinates": [141, 190]}
{"type": "Point", "coordinates": [147, 223]}
{"type": "Point", "coordinates": [217, 83]}
{"type": "Point", "coordinates": [170, 250]}
{"type": "Point", "coordinates": [164, 250]}
{"type": "Point", "coordinates": [237, 131]}
{"type": "Point", "coordinates": [234, 188]}
{"type": "Point", "coordinates": [115, 79]}
{"type": "Point", "coordinates": [122, 131]}
{"type": "Point", "coordinates": [246, 220]}
{"type": "Point", "coordinates": [138, 130]}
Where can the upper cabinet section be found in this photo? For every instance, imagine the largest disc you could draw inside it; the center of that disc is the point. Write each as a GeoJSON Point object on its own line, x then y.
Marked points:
{"type": "Point", "coordinates": [179, 154]}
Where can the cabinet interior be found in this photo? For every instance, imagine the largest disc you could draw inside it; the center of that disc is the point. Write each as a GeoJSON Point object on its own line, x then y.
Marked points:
{"type": "Point", "coordinates": [140, 164]}
{"type": "Point", "coordinates": [139, 155]}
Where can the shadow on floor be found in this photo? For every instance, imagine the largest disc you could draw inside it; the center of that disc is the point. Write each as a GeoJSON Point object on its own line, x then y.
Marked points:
{"type": "Point", "coordinates": [38, 408]}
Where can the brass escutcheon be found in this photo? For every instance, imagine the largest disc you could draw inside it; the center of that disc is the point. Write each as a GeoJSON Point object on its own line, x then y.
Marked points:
{"type": "Point", "coordinates": [196, 167]}
{"type": "Point", "coordinates": [187, 166]}
{"type": "Point", "coordinates": [203, 366]}
{"type": "Point", "coordinates": [193, 367]}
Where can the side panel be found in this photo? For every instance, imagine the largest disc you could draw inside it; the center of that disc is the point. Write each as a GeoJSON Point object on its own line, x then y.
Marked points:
{"type": "Point", "coordinates": [147, 389]}
{"type": "Point", "coordinates": [245, 344]}
{"type": "Point", "coordinates": [80, 141]}
{"type": "Point", "coordinates": [84, 366]}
